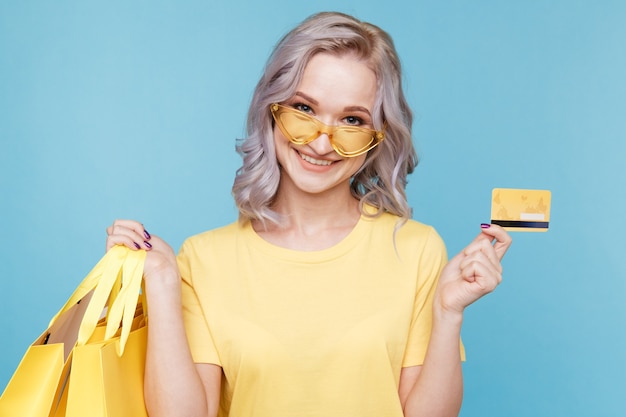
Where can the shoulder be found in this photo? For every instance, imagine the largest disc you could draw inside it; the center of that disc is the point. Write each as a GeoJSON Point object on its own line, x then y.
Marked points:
{"type": "Point", "coordinates": [207, 251]}
{"type": "Point", "coordinates": [211, 239]}
{"type": "Point", "coordinates": [410, 237]}
{"type": "Point", "coordinates": [405, 229]}
{"type": "Point", "coordinates": [219, 232]}
{"type": "Point", "coordinates": [414, 229]}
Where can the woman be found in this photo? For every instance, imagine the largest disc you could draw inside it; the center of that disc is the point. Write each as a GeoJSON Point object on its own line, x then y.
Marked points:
{"type": "Point", "coordinates": [325, 298]}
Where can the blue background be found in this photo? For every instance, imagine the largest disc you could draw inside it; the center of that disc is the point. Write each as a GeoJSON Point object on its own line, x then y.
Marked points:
{"type": "Point", "coordinates": [131, 109]}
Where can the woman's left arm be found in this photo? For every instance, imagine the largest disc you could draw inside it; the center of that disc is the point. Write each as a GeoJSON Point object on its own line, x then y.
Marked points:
{"type": "Point", "coordinates": [435, 389]}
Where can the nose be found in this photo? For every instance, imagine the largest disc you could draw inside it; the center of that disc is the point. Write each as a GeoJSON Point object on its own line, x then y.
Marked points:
{"type": "Point", "coordinates": [322, 145]}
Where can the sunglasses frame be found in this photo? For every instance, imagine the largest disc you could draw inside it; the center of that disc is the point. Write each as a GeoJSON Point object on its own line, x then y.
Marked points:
{"type": "Point", "coordinates": [377, 136]}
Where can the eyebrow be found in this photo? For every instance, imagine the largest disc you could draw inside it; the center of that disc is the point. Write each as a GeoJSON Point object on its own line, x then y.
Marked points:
{"type": "Point", "coordinates": [348, 108]}
{"type": "Point", "coordinates": [357, 108]}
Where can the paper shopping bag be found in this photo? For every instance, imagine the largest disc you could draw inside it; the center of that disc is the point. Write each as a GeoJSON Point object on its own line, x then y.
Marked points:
{"type": "Point", "coordinates": [33, 387]}
{"type": "Point", "coordinates": [106, 379]}
{"type": "Point", "coordinates": [104, 384]}
{"type": "Point", "coordinates": [40, 386]}
{"type": "Point", "coordinates": [123, 375]}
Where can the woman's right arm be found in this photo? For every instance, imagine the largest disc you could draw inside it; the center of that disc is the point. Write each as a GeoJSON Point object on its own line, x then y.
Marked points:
{"type": "Point", "coordinates": [174, 385]}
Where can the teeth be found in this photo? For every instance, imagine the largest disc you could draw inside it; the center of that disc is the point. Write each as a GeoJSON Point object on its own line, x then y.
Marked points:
{"type": "Point", "coordinates": [314, 161]}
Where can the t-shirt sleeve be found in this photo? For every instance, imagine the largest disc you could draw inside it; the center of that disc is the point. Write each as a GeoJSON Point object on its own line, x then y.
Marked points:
{"type": "Point", "coordinates": [198, 333]}
{"type": "Point", "coordinates": [431, 262]}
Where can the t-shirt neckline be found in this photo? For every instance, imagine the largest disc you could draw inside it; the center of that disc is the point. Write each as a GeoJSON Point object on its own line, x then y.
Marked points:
{"type": "Point", "coordinates": [344, 245]}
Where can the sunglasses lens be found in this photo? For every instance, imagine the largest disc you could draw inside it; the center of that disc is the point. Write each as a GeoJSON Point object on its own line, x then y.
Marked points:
{"type": "Point", "coordinates": [351, 141]}
{"type": "Point", "coordinates": [299, 127]}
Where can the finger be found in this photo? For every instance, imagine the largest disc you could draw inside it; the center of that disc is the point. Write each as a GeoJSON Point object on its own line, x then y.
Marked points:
{"type": "Point", "coordinates": [120, 233]}
{"type": "Point", "coordinates": [455, 262]}
{"type": "Point", "coordinates": [130, 225]}
{"type": "Point", "coordinates": [482, 243]}
{"type": "Point", "coordinates": [128, 233]}
{"type": "Point", "coordinates": [502, 239]}
{"type": "Point", "coordinates": [482, 274]}
{"type": "Point", "coordinates": [123, 241]}
{"type": "Point", "coordinates": [485, 256]}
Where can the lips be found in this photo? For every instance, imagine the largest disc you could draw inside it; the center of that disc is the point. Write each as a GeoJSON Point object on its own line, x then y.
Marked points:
{"type": "Point", "coordinates": [319, 162]}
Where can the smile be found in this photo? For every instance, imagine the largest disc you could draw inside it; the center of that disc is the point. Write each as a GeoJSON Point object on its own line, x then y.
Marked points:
{"type": "Point", "coordinates": [314, 161]}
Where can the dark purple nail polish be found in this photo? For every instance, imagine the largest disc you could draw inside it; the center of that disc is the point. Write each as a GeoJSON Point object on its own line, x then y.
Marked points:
{"type": "Point", "coordinates": [137, 245]}
{"type": "Point", "coordinates": [148, 245]}
{"type": "Point", "coordinates": [485, 225]}
{"type": "Point", "coordinates": [146, 234]}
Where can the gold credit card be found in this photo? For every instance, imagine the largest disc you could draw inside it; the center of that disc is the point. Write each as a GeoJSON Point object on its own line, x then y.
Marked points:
{"type": "Point", "coordinates": [521, 210]}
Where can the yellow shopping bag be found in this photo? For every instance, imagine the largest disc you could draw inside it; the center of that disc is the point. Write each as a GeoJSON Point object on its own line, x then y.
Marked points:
{"type": "Point", "coordinates": [90, 360]}
{"type": "Point", "coordinates": [33, 387]}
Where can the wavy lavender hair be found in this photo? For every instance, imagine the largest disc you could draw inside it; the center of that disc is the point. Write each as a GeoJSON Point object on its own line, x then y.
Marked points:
{"type": "Point", "coordinates": [382, 179]}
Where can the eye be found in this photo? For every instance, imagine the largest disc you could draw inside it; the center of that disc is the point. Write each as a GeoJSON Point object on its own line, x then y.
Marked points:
{"type": "Point", "coordinates": [353, 121]}
{"type": "Point", "coordinates": [303, 107]}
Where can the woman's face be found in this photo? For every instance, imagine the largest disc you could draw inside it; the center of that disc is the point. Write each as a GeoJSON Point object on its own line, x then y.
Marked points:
{"type": "Point", "coordinates": [336, 90]}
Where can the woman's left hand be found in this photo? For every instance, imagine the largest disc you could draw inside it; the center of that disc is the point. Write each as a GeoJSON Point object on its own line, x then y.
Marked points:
{"type": "Point", "coordinates": [474, 272]}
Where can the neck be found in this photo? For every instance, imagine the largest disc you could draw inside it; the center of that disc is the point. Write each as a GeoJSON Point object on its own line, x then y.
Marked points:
{"type": "Point", "coordinates": [330, 207]}
{"type": "Point", "coordinates": [312, 221]}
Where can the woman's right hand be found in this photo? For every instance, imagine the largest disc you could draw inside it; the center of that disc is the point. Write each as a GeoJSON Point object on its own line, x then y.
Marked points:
{"type": "Point", "coordinates": [160, 259]}
{"type": "Point", "coordinates": [173, 384]}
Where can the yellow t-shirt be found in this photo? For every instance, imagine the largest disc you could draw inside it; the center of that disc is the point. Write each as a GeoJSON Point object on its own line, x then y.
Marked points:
{"type": "Point", "coordinates": [321, 333]}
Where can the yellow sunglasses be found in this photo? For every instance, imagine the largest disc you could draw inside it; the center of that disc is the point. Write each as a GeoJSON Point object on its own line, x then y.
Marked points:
{"type": "Point", "coordinates": [301, 128]}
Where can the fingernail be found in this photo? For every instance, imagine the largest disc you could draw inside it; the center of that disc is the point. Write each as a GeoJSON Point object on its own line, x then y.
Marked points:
{"type": "Point", "coordinates": [146, 234]}
{"type": "Point", "coordinates": [485, 225]}
{"type": "Point", "coordinates": [148, 245]}
{"type": "Point", "coordinates": [137, 245]}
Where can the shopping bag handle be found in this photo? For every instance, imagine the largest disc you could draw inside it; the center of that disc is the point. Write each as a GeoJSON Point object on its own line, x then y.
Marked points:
{"type": "Point", "coordinates": [119, 267]}
{"type": "Point", "coordinates": [114, 256]}
{"type": "Point", "coordinates": [122, 309]}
